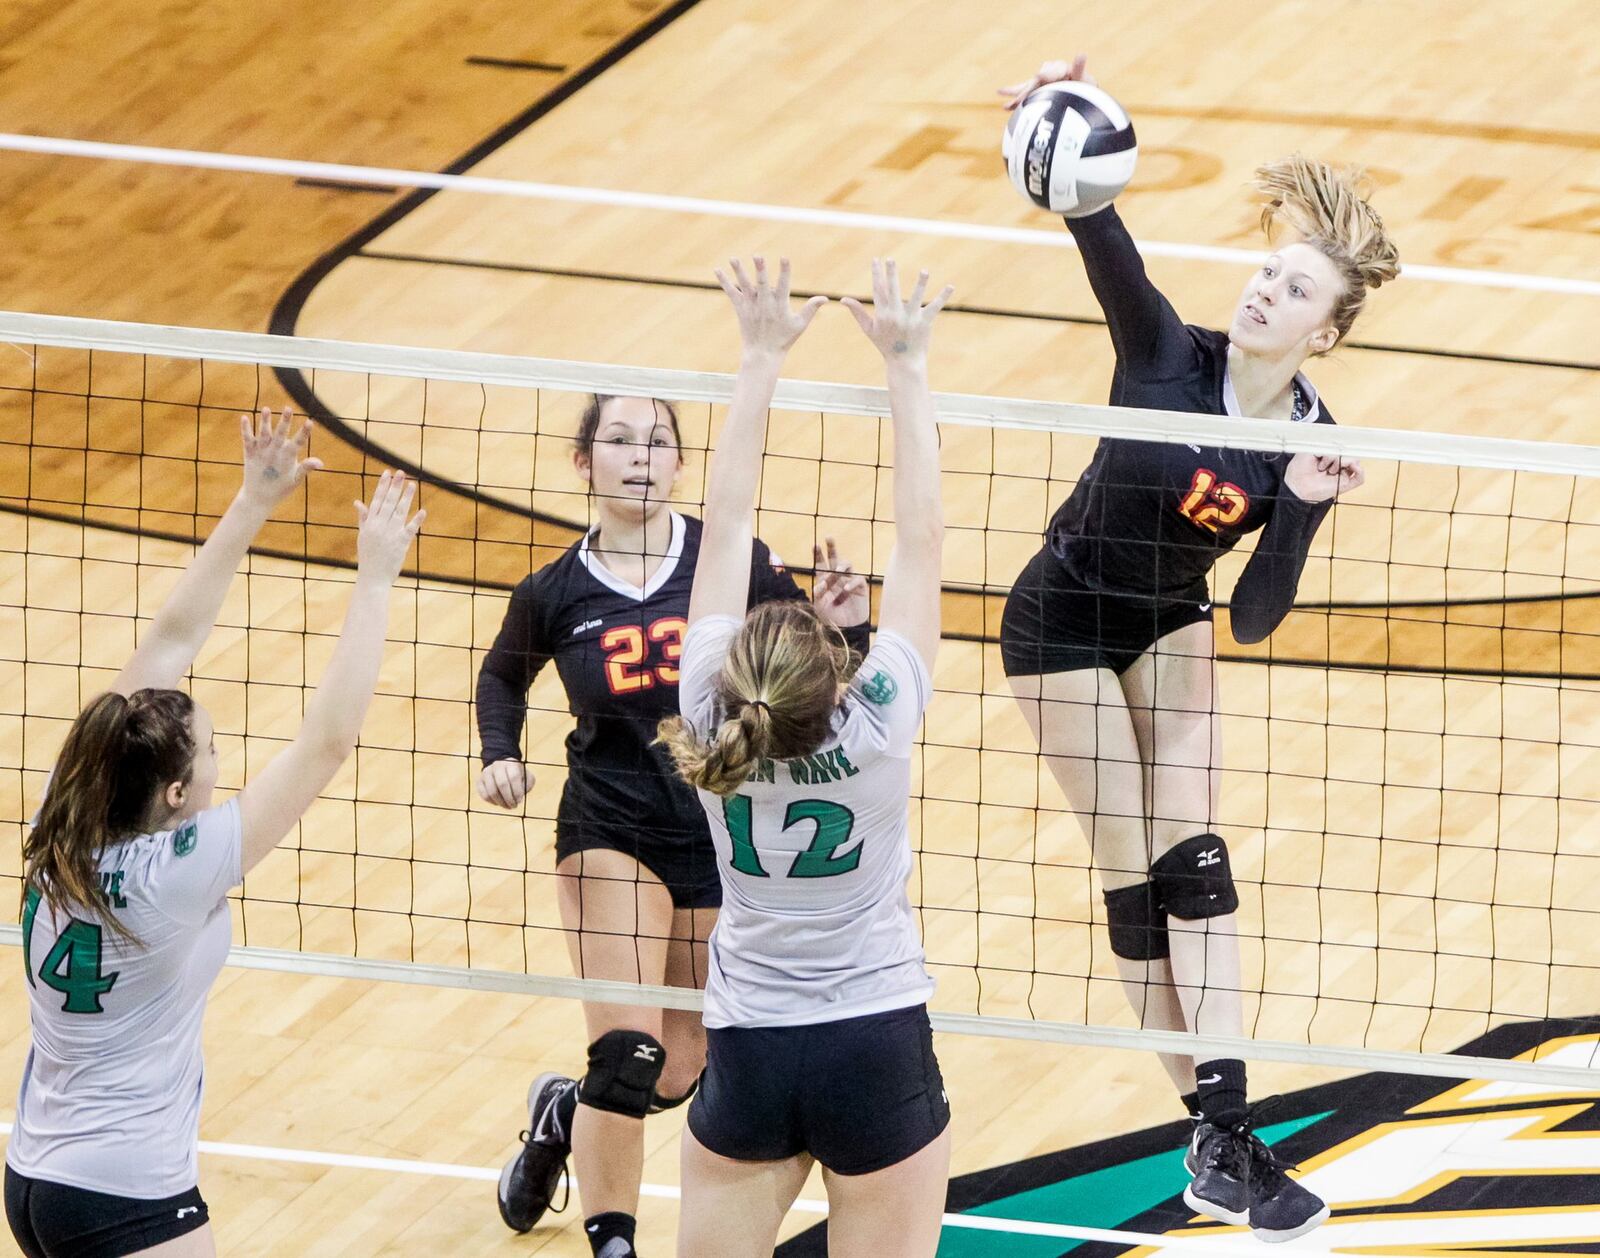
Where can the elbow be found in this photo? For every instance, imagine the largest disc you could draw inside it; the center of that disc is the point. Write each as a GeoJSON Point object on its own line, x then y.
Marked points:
{"type": "Point", "coordinates": [924, 529]}
{"type": "Point", "coordinates": [1247, 632]}
{"type": "Point", "coordinates": [1250, 625]}
{"type": "Point", "coordinates": [333, 747]}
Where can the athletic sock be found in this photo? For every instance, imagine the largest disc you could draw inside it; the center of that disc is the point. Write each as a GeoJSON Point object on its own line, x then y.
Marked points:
{"type": "Point", "coordinates": [1221, 1090]}
{"type": "Point", "coordinates": [610, 1234]}
{"type": "Point", "coordinates": [1191, 1104]}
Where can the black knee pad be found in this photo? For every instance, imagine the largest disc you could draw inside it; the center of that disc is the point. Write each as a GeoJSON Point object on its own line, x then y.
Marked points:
{"type": "Point", "coordinates": [1194, 880]}
{"type": "Point", "coordinates": [622, 1074]}
{"type": "Point", "coordinates": [1137, 924]}
{"type": "Point", "coordinates": [663, 1103]}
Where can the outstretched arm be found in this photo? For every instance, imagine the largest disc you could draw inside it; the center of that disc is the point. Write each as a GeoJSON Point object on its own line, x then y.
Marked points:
{"type": "Point", "coordinates": [768, 326]}
{"type": "Point", "coordinates": [901, 331]}
{"type": "Point", "coordinates": [1145, 330]}
{"type": "Point", "coordinates": [273, 469]}
{"type": "Point", "coordinates": [274, 800]}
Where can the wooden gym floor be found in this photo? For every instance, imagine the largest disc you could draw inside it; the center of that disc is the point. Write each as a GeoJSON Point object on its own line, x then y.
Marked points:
{"type": "Point", "coordinates": [1407, 815]}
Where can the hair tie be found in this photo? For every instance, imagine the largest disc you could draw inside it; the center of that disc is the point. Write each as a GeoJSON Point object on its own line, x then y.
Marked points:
{"type": "Point", "coordinates": [760, 703]}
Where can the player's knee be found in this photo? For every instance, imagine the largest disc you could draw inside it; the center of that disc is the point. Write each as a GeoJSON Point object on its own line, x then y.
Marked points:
{"type": "Point", "coordinates": [1138, 926]}
{"type": "Point", "coordinates": [1194, 879]}
{"type": "Point", "coordinates": [670, 1098]}
{"type": "Point", "coordinates": [624, 1067]}
{"type": "Point", "coordinates": [682, 1073]}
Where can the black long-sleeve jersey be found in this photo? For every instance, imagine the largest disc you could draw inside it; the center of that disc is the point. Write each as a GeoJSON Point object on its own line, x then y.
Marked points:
{"type": "Point", "coordinates": [1150, 517]}
{"type": "Point", "coordinates": [616, 648]}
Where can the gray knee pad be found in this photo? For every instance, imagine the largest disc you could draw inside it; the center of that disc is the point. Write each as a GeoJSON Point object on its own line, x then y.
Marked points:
{"type": "Point", "coordinates": [622, 1074]}
{"type": "Point", "coordinates": [1137, 924]}
{"type": "Point", "coordinates": [1194, 880]}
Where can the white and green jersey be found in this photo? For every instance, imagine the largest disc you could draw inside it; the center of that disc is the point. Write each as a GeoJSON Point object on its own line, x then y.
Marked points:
{"type": "Point", "coordinates": [815, 924]}
{"type": "Point", "coordinates": [110, 1096]}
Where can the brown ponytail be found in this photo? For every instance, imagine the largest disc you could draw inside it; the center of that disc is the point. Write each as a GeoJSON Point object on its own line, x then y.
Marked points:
{"type": "Point", "coordinates": [779, 687]}
{"type": "Point", "coordinates": [119, 754]}
{"type": "Point", "coordinates": [1327, 207]}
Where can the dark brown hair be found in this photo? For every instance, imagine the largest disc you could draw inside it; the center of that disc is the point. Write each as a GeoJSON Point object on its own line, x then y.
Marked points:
{"type": "Point", "coordinates": [120, 753]}
{"type": "Point", "coordinates": [778, 690]}
{"type": "Point", "coordinates": [589, 421]}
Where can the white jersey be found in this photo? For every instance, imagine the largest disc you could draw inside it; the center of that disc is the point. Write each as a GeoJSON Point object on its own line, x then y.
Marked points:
{"type": "Point", "coordinates": [815, 924]}
{"type": "Point", "coordinates": [110, 1096]}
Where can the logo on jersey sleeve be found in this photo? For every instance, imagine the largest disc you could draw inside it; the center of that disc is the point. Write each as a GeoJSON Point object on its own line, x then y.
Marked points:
{"type": "Point", "coordinates": [184, 838]}
{"type": "Point", "coordinates": [880, 688]}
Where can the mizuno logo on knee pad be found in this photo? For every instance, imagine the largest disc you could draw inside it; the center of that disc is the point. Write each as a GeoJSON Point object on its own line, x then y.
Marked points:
{"type": "Point", "coordinates": [1193, 880]}
{"type": "Point", "coordinates": [623, 1069]}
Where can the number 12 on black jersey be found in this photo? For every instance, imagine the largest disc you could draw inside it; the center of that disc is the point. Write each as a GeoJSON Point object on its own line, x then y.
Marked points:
{"type": "Point", "coordinates": [822, 859]}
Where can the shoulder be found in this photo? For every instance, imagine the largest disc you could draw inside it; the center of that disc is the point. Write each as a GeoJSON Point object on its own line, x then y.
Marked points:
{"type": "Point", "coordinates": [886, 698]}
{"type": "Point", "coordinates": [891, 668]}
{"type": "Point", "coordinates": [193, 864]}
{"type": "Point", "coordinates": [762, 555]}
{"type": "Point", "coordinates": [1208, 340]}
{"type": "Point", "coordinates": [551, 582]}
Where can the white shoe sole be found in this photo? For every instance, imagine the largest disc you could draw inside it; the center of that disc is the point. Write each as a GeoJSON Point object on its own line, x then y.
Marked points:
{"type": "Point", "coordinates": [1277, 1238]}
{"type": "Point", "coordinates": [1235, 1217]}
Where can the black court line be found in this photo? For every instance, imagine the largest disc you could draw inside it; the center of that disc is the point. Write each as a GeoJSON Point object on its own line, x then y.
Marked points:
{"type": "Point", "coordinates": [512, 63]}
{"type": "Point", "coordinates": [483, 583]}
{"type": "Point", "coordinates": [999, 312]}
{"type": "Point", "coordinates": [346, 185]}
{"type": "Point", "coordinates": [266, 552]}
{"type": "Point", "coordinates": [286, 314]}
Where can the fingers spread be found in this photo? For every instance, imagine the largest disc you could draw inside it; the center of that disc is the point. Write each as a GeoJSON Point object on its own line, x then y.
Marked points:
{"type": "Point", "coordinates": [917, 292]}
{"type": "Point", "coordinates": [860, 312]}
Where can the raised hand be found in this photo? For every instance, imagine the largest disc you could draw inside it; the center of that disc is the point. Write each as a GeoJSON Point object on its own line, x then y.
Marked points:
{"type": "Point", "coordinates": [839, 593]}
{"type": "Point", "coordinates": [1318, 477]}
{"type": "Point", "coordinates": [899, 328]}
{"type": "Point", "coordinates": [273, 462]}
{"type": "Point", "coordinates": [505, 783]}
{"type": "Point", "coordinates": [1050, 72]}
{"type": "Point", "coordinates": [767, 322]}
{"type": "Point", "coordinates": [386, 532]}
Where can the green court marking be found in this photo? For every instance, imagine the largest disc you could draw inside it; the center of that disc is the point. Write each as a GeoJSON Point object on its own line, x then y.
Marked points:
{"type": "Point", "coordinates": [1105, 1198]}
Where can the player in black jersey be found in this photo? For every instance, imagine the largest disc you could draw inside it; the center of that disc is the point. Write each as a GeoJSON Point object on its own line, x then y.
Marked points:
{"type": "Point", "coordinates": [1107, 635]}
{"type": "Point", "coordinates": [638, 888]}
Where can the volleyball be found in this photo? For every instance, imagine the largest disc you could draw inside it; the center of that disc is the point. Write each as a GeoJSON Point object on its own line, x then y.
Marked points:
{"type": "Point", "coordinates": [1069, 148]}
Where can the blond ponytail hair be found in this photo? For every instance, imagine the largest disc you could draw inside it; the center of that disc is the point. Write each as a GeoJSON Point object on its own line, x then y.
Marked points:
{"type": "Point", "coordinates": [778, 691]}
{"type": "Point", "coordinates": [1327, 207]}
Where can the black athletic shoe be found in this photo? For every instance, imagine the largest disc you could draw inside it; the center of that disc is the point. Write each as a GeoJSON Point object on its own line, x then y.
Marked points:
{"type": "Point", "coordinates": [1221, 1158]}
{"type": "Point", "coordinates": [1280, 1209]}
{"type": "Point", "coordinates": [528, 1182]}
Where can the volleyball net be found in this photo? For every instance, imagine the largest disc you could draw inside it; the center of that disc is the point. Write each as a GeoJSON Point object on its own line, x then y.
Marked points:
{"type": "Point", "coordinates": [1409, 788]}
